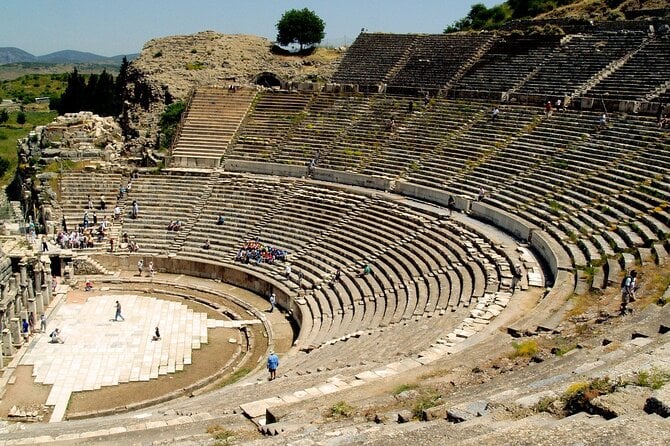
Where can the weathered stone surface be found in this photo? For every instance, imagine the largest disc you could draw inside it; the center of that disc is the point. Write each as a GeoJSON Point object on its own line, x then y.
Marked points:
{"type": "Point", "coordinates": [404, 416]}
{"type": "Point", "coordinates": [659, 402]}
{"type": "Point", "coordinates": [627, 400]}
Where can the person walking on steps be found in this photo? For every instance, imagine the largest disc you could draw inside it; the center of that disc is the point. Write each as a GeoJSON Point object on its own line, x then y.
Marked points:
{"type": "Point", "coordinates": [628, 285]}
{"type": "Point", "coordinates": [516, 276]}
{"type": "Point", "coordinates": [118, 315]}
{"type": "Point", "coordinates": [273, 364]}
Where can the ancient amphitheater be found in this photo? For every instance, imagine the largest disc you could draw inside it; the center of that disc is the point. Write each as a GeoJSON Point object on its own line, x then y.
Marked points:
{"type": "Point", "coordinates": [360, 172]}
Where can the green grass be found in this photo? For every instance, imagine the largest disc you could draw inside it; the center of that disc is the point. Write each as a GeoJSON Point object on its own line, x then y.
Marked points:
{"type": "Point", "coordinates": [428, 399]}
{"type": "Point", "coordinates": [236, 376]}
{"type": "Point", "coordinates": [27, 87]}
{"type": "Point", "coordinates": [403, 388]}
{"type": "Point", "coordinates": [11, 131]}
{"type": "Point", "coordinates": [342, 409]}
{"type": "Point", "coordinates": [654, 378]}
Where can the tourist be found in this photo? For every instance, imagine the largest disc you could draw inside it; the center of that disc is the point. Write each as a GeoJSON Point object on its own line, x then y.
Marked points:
{"type": "Point", "coordinates": [410, 107]}
{"type": "Point", "coordinates": [151, 268]}
{"type": "Point", "coordinates": [25, 329]}
{"type": "Point", "coordinates": [157, 335]}
{"type": "Point", "coordinates": [43, 323]}
{"type": "Point", "coordinates": [117, 212]}
{"type": "Point", "coordinates": [88, 286]}
{"type": "Point", "coordinates": [90, 202]}
{"type": "Point", "coordinates": [117, 314]}
{"type": "Point", "coordinates": [45, 244]}
{"type": "Point", "coordinates": [140, 266]}
{"type": "Point", "coordinates": [451, 204]}
{"type": "Point", "coordinates": [548, 110]}
{"type": "Point", "coordinates": [482, 194]}
{"type": "Point", "coordinates": [494, 114]}
{"type": "Point", "coordinates": [516, 276]}
{"type": "Point", "coordinates": [273, 364]}
{"type": "Point", "coordinates": [206, 245]}
{"type": "Point", "coordinates": [602, 122]}
{"type": "Point", "coordinates": [135, 210]}
{"type": "Point", "coordinates": [273, 301]}
{"type": "Point", "coordinates": [221, 220]}
{"type": "Point", "coordinates": [103, 203]}
{"type": "Point", "coordinates": [55, 337]}
{"type": "Point", "coordinates": [31, 321]}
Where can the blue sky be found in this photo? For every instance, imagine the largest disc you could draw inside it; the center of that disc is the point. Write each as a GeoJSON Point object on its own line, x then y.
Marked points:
{"type": "Point", "coordinates": [112, 27]}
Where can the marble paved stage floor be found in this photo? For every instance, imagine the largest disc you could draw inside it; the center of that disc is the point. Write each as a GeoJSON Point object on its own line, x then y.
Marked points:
{"type": "Point", "coordinates": [101, 352]}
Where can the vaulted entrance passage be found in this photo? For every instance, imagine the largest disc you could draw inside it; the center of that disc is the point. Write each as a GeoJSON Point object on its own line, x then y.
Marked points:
{"type": "Point", "coordinates": [267, 79]}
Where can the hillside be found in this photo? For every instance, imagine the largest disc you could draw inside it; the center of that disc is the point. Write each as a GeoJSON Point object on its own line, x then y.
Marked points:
{"type": "Point", "coordinates": [606, 9]}
{"type": "Point", "coordinates": [176, 64]}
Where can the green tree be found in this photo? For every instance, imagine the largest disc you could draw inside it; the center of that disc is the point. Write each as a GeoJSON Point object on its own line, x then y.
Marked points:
{"type": "Point", "coordinates": [169, 121]}
{"type": "Point", "coordinates": [4, 116]}
{"type": "Point", "coordinates": [300, 26]}
{"type": "Point", "coordinates": [20, 118]}
{"type": "Point", "coordinates": [72, 99]}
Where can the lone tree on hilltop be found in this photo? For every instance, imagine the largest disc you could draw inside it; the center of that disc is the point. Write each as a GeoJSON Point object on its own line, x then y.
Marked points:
{"type": "Point", "coordinates": [300, 26]}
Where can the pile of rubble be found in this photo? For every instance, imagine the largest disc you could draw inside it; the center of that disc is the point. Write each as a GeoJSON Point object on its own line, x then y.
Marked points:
{"type": "Point", "coordinates": [74, 136]}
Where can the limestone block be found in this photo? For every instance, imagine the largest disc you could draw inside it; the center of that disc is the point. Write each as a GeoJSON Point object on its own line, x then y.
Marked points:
{"type": "Point", "coordinates": [659, 402]}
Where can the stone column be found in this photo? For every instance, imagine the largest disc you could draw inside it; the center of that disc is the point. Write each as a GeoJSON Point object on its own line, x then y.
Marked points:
{"type": "Point", "coordinates": [23, 271]}
{"type": "Point", "coordinates": [15, 329]}
{"type": "Point", "coordinates": [47, 281]}
{"type": "Point", "coordinates": [45, 296]}
{"type": "Point", "coordinates": [37, 277]}
{"type": "Point", "coordinates": [32, 308]}
{"type": "Point", "coordinates": [7, 346]}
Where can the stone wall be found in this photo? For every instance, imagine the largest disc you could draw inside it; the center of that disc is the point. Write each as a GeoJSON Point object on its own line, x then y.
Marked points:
{"type": "Point", "coordinates": [231, 274]}
{"type": "Point", "coordinates": [285, 170]}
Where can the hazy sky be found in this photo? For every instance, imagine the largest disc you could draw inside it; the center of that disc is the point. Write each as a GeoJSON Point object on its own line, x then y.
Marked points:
{"type": "Point", "coordinates": [113, 27]}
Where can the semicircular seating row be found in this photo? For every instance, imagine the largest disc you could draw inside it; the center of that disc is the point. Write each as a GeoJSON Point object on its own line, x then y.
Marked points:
{"type": "Point", "coordinates": [423, 264]}
{"type": "Point", "coordinates": [601, 193]}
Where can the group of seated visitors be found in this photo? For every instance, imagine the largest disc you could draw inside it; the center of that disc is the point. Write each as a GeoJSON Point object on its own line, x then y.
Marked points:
{"type": "Point", "coordinates": [175, 225]}
{"type": "Point", "coordinates": [80, 239]}
{"type": "Point", "coordinates": [255, 251]}
{"type": "Point", "coordinates": [131, 244]}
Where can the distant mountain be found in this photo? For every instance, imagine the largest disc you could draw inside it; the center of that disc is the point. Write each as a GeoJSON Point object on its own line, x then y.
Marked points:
{"type": "Point", "coordinates": [10, 55]}
{"type": "Point", "coordinates": [13, 55]}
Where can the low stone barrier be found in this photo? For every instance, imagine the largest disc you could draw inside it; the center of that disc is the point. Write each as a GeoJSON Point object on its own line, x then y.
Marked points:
{"type": "Point", "coordinates": [231, 274]}
{"type": "Point", "coordinates": [353, 179]}
{"type": "Point", "coordinates": [432, 195]}
{"type": "Point", "coordinates": [284, 170]}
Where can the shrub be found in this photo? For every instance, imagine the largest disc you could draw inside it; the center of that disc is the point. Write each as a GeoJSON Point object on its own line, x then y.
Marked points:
{"type": "Point", "coordinates": [342, 409]}
{"type": "Point", "coordinates": [526, 349]}
{"type": "Point", "coordinates": [20, 118]}
{"type": "Point", "coordinates": [427, 400]}
{"type": "Point", "coordinates": [654, 378]}
{"type": "Point", "coordinates": [579, 395]}
{"type": "Point", "coordinates": [221, 435]}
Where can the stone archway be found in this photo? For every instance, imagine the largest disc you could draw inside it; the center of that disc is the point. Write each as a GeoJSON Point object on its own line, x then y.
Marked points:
{"type": "Point", "coordinates": [268, 79]}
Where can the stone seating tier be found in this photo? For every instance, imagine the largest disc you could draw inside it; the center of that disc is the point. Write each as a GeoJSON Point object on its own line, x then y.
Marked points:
{"type": "Point", "coordinates": [640, 76]}
{"type": "Point", "coordinates": [576, 61]}
{"type": "Point", "coordinates": [364, 63]}
{"type": "Point", "coordinates": [508, 63]}
{"type": "Point", "coordinates": [436, 59]}
{"type": "Point", "coordinates": [211, 122]}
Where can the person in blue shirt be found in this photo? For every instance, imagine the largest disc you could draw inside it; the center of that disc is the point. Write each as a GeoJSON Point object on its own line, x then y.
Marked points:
{"type": "Point", "coordinates": [273, 363]}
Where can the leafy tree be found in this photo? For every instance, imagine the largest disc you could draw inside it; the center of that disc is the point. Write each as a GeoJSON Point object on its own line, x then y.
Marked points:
{"type": "Point", "coordinates": [72, 99]}
{"type": "Point", "coordinates": [4, 116]}
{"type": "Point", "coordinates": [20, 118]}
{"type": "Point", "coordinates": [169, 121]}
{"type": "Point", "coordinates": [300, 26]}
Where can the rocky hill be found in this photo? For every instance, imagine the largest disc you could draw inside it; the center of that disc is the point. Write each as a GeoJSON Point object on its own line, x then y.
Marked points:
{"type": "Point", "coordinates": [169, 67]}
